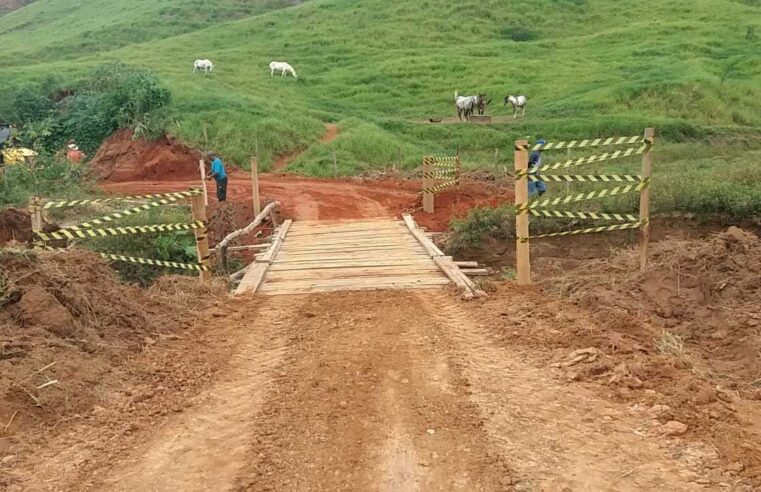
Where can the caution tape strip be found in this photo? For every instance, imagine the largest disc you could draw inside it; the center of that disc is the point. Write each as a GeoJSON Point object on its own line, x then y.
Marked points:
{"type": "Point", "coordinates": [590, 230]}
{"type": "Point", "coordinates": [141, 261]}
{"type": "Point", "coordinates": [439, 174]}
{"type": "Point", "coordinates": [567, 214]}
{"type": "Point", "coordinates": [120, 214]}
{"type": "Point", "coordinates": [77, 203]}
{"type": "Point", "coordinates": [597, 142]}
{"type": "Point", "coordinates": [602, 178]}
{"type": "Point", "coordinates": [607, 156]}
{"type": "Point", "coordinates": [117, 231]}
{"type": "Point", "coordinates": [618, 190]}
{"type": "Point", "coordinates": [440, 187]}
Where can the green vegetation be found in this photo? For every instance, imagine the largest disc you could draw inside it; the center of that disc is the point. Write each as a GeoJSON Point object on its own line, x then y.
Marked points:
{"type": "Point", "coordinates": [50, 177]}
{"type": "Point", "coordinates": [379, 69]}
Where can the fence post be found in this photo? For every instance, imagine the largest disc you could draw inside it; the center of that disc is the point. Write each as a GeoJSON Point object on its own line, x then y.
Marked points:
{"type": "Point", "coordinates": [255, 185]}
{"type": "Point", "coordinates": [522, 259]}
{"type": "Point", "coordinates": [644, 198]}
{"type": "Point", "coordinates": [198, 207]}
{"type": "Point", "coordinates": [35, 213]}
{"type": "Point", "coordinates": [202, 167]}
{"type": "Point", "coordinates": [427, 184]}
{"type": "Point", "coordinates": [496, 162]}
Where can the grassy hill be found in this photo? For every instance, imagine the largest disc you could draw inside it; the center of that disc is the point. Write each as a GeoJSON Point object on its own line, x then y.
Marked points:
{"type": "Point", "coordinates": [589, 68]}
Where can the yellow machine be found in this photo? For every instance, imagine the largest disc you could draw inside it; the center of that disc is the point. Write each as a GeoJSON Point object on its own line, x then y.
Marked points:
{"type": "Point", "coordinates": [10, 154]}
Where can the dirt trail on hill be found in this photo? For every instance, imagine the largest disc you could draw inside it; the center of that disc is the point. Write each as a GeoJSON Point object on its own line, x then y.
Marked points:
{"type": "Point", "coordinates": [331, 132]}
{"type": "Point", "coordinates": [419, 397]}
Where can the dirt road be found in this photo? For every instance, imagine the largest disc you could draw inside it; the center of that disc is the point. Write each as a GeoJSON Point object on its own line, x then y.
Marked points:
{"type": "Point", "coordinates": [418, 397]}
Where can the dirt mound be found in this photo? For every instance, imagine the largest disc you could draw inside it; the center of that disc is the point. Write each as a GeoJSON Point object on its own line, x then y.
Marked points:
{"type": "Point", "coordinates": [456, 203]}
{"type": "Point", "coordinates": [122, 158]}
{"type": "Point", "coordinates": [680, 341]}
{"type": "Point", "coordinates": [15, 226]}
{"type": "Point", "coordinates": [66, 325]}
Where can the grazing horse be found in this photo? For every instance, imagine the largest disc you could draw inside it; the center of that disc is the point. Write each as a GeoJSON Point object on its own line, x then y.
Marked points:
{"type": "Point", "coordinates": [518, 103]}
{"type": "Point", "coordinates": [203, 64]}
{"type": "Point", "coordinates": [482, 103]}
{"type": "Point", "coordinates": [282, 67]}
{"type": "Point", "coordinates": [466, 105]}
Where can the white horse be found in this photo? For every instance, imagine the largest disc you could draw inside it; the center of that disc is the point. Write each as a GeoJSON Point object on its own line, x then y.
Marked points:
{"type": "Point", "coordinates": [466, 105]}
{"type": "Point", "coordinates": [282, 67]}
{"type": "Point", "coordinates": [518, 103]}
{"type": "Point", "coordinates": [203, 64]}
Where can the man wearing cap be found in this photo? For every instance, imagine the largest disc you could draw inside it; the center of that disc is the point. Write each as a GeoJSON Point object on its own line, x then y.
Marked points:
{"type": "Point", "coordinates": [219, 175]}
{"type": "Point", "coordinates": [73, 154]}
{"type": "Point", "coordinates": [536, 188]}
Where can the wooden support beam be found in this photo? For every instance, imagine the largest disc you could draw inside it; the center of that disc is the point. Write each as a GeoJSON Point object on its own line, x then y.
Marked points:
{"type": "Point", "coordinates": [523, 262]}
{"type": "Point", "coordinates": [473, 272]}
{"type": "Point", "coordinates": [255, 185]}
{"type": "Point", "coordinates": [35, 212]}
{"type": "Point", "coordinates": [466, 264]}
{"type": "Point", "coordinates": [198, 207]}
{"type": "Point", "coordinates": [223, 244]}
{"type": "Point", "coordinates": [427, 183]}
{"type": "Point", "coordinates": [246, 247]}
{"type": "Point", "coordinates": [644, 200]}
{"type": "Point", "coordinates": [202, 168]}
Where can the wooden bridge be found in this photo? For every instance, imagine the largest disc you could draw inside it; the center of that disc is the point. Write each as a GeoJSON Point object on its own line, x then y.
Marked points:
{"type": "Point", "coordinates": [325, 256]}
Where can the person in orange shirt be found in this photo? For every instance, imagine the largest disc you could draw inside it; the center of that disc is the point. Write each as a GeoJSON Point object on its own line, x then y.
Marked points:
{"type": "Point", "coordinates": [73, 154]}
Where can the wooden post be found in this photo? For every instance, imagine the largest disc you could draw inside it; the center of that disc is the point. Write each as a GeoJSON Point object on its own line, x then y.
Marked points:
{"type": "Point", "coordinates": [198, 207]}
{"type": "Point", "coordinates": [427, 183]}
{"type": "Point", "coordinates": [644, 199]}
{"type": "Point", "coordinates": [202, 167]}
{"type": "Point", "coordinates": [522, 259]}
{"type": "Point", "coordinates": [35, 212]}
{"type": "Point", "coordinates": [255, 185]}
{"type": "Point", "coordinates": [496, 162]}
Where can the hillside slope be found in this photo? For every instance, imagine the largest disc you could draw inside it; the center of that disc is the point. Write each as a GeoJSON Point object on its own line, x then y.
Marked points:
{"type": "Point", "coordinates": [378, 68]}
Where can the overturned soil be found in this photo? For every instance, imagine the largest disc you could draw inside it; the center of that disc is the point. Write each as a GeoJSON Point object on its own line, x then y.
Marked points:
{"type": "Point", "coordinates": [66, 326]}
{"type": "Point", "coordinates": [15, 226]}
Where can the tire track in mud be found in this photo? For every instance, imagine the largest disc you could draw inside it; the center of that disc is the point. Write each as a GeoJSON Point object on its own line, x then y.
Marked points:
{"type": "Point", "coordinates": [367, 401]}
{"type": "Point", "coordinates": [557, 437]}
{"type": "Point", "coordinates": [205, 448]}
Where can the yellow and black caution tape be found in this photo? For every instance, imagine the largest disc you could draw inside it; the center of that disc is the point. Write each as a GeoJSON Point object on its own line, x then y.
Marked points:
{"type": "Point", "coordinates": [597, 142]}
{"type": "Point", "coordinates": [590, 230]}
{"type": "Point", "coordinates": [141, 261]}
{"type": "Point", "coordinates": [566, 214]}
{"type": "Point", "coordinates": [122, 213]}
{"type": "Point", "coordinates": [618, 190]}
{"type": "Point", "coordinates": [77, 203]}
{"type": "Point", "coordinates": [439, 174]}
{"type": "Point", "coordinates": [441, 187]}
{"type": "Point", "coordinates": [117, 231]}
{"type": "Point", "coordinates": [606, 156]}
{"type": "Point", "coordinates": [584, 178]}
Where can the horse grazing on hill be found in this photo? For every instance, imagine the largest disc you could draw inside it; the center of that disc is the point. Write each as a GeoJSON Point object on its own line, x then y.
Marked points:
{"type": "Point", "coordinates": [466, 105]}
{"type": "Point", "coordinates": [518, 103]}
{"type": "Point", "coordinates": [203, 64]}
{"type": "Point", "coordinates": [282, 67]}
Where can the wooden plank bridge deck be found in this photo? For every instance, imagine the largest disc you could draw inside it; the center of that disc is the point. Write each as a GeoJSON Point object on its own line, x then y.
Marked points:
{"type": "Point", "coordinates": [327, 256]}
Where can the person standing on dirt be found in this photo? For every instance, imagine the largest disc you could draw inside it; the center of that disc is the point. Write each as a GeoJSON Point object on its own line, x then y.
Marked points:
{"type": "Point", "coordinates": [536, 188]}
{"type": "Point", "coordinates": [219, 175]}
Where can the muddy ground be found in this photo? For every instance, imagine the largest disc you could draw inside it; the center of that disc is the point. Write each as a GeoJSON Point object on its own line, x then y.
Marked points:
{"type": "Point", "coordinates": [600, 377]}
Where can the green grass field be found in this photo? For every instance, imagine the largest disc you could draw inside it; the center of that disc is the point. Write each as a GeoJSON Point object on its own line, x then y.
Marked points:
{"type": "Point", "coordinates": [378, 68]}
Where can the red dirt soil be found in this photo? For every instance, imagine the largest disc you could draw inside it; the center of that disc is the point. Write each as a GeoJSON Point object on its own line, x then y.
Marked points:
{"type": "Point", "coordinates": [124, 165]}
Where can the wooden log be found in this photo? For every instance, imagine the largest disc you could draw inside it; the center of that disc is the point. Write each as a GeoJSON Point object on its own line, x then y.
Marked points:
{"type": "Point", "coordinates": [466, 264]}
{"type": "Point", "coordinates": [644, 201]}
{"type": "Point", "coordinates": [472, 272]}
{"type": "Point", "coordinates": [523, 262]}
{"type": "Point", "coordinates": [246, 247]}
{"type": "Point", "coordinates": [223, 245]}
{"type": "Point", "coordinates": [198, 207]}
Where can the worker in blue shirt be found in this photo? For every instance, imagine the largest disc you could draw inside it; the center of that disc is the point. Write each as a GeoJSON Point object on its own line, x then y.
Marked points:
{"type": "Point", "coordinates": [219, 175]}
{"type": "Point", "coordinates": [536, 188]}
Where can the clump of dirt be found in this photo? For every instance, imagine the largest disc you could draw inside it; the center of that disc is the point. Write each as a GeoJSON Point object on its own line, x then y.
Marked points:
{"type": "Point", "coordinates": [66, 326]}
{"type": "Point", "coordinates": [680, 340]}
{"type": "Point", "coordinates": [123, 158]}
{"type": "Point", "coordinates": [456, 203]}
{"type": "Point", "coordinates": [15, 226]}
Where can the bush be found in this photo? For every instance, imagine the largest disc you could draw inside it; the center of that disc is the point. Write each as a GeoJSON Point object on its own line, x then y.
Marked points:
{"type": "Point", "coordinates": [482, 224]}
